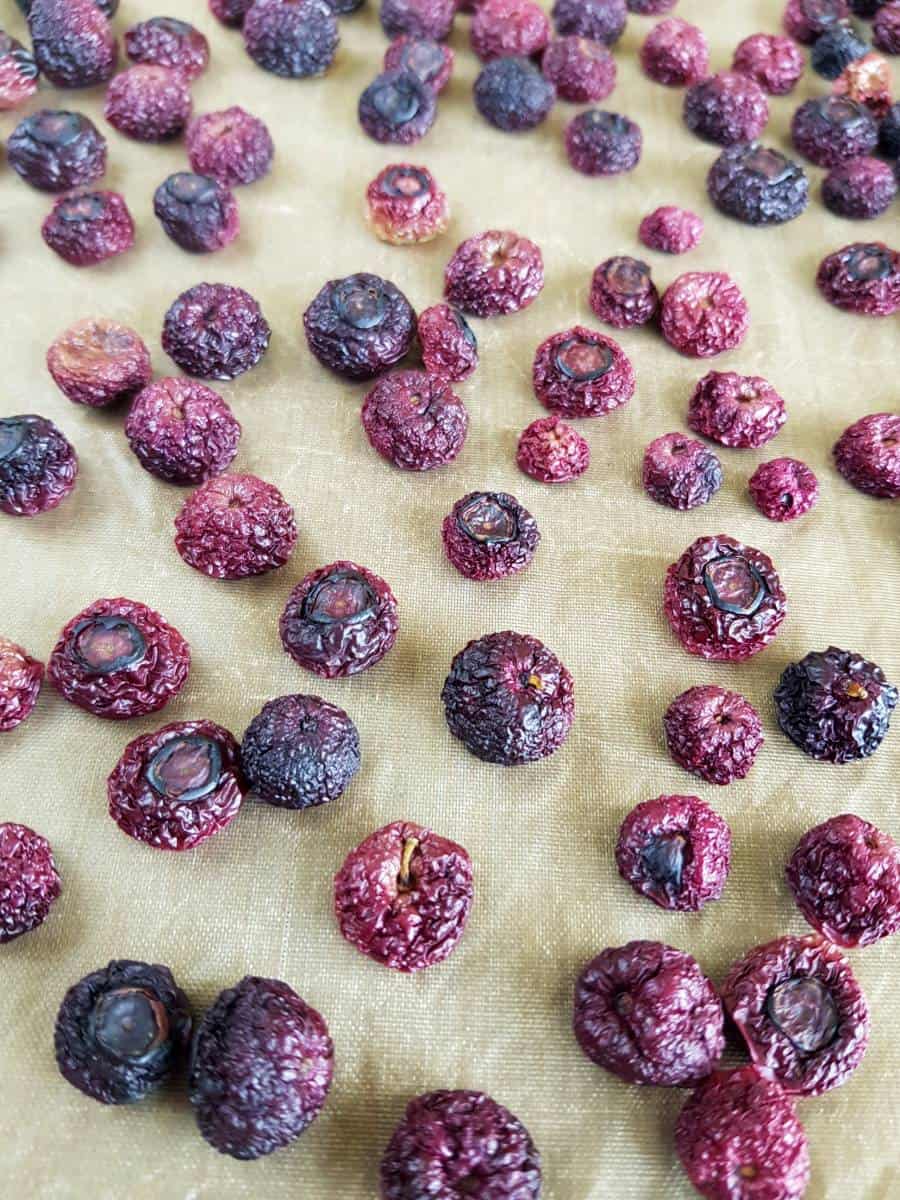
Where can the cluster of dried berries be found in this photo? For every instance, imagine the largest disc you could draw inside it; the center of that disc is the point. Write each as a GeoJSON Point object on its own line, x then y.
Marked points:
{"type": "Point", "coordinates": [489, 535]}
{"type": "Point", "coordinates": [29, 880]}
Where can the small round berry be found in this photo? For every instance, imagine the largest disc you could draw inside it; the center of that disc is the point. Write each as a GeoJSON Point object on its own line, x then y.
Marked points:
{"type": "Point", "coordinates": [38, 465]}
{"type": "Point", "coordinates": [774, 62]}
{"type": "Point", "coordinates": [167, 42]}
{"type": "Point", "coordinates": [581, 373]}
{"type": "Point", "coordinates": [56, 151]}
{"type": "Point", "coordinates": [704, 313]}
{"type": "Point", "coordinates": [18, 73]}
{"type": "Point", "coordinates": [860, 188]}
{"type": "Point", "coordinates": [405, 205]}
{"type": "Point", "coordinates": [99, 362]}
{"type": "Point", "coordinates": [182, 432]}
{"type": "Point", "coordinates": [603, 143]}
{"type": "Point", "coordinates": [805, 20]}
{"type": "Point", "coordinates": [680, 472]}
{"type": "Point", "coordinates": [231, 146]}
{"type": "Point", "coordinates": [835, 49]}
{"type": "Point", "coordinates": [87, 228]}
{"type": "Point", "coordinates": [489, 535]}
{"type": "Point", "coordinates": [886, 29]}
{"type": "Point", "coordinates": [832, 129]}
{"type": "Point", "coordinates": [869, 82]}
{"type": "Point", "coordinates": [494, 273]}
{"type": "Point", "coordinates": [29, 880]}
{"type": "Point", "coordinates": [72, 42]}
{"type": "Point", "coordinates": [417, 18]}
{"type": "Point", "coordinates": [867, 454]}
{"type": "Point", "coordinates": [414, 420]}
{"type": "Point", "coordinates": [783, 489]}
{"type": "Point", "coordinates": [359, 326]}
{"type": "Point", "coordinates": [675, 53]}
{"type": "Point", "coordinates": [295, 39]}
{"type": "Point", "coordinates": [504, 27]}
{"type": "Point", "coordinates": [149, 104]}
{"type": "Point", "coordinates": [713, 733]}
{"type": "Point", "coordinates": [430, 61]}
{"type": "Point", "coordinates": [215, 331]}
{"type": "Point", "coordinates": [448, 345]}
{"type": "Point", "coordinates": [726, 108]}
{"type": "Point", "coordinates": [553, 452]}
{"type": "Point", "coordinates": [671, 230]}
{"type": "Point", "coordinates": [863, 277]}
{"type": "Point", "coordinates": [234, 526]}
{"type": "Point", "coordinates": [512, 94]}
{"type": "Point", "coordinates": [741, 411]}
{"type": "Point", "coordinates": [21, 677]}
{"type": "Point", "coordinates": [757, 185]}
{"type": "Point", "coordinates": [602, 20]}
{"type": "Point", "coordinates": [197, 212]}
{"type": "Point", "coordinates": [623, 293]}
{"type": "Point", "coordinates": [397, 108]}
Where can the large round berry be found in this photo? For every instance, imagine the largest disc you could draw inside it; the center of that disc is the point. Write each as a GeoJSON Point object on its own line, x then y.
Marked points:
{"type": "Point", "coordinates": [167, 42]}
{"type": "Point", "coordinates": [72, 41]}
{"type": "Point", "coordinates": [494, 273]}
{"type": "Point", "coordinates": [774, 62]}
{"type": "Point", "coordinates": [501, 28]}
{"type": "Point", "coordinates": [404, 205]}
{"type": "Point", "coordinates": [215, 331]}
{"type": "Point", "coordinates": [622, 292]}
{"type": "Point", "coordinates": [86, 228]}
{"type": "Point", "coordinates": [231, 145]}
{"type": "Point", "coordinates": [832, 129]}
{"type": "Point", "coordinates": [742, 411]}
{"type": "Point", "coordinates": [29, 880]}
{"type": "Point", "coordinates": [581, 373]}
{"type": "Point", "coordinates": [295, 39]}
{"type": "Point", "coordinates": [99, 362]}
{"type": "Point", "coordinates": [197, 212]}
{"type": "Point", "coordinates": [757, 185]}
{"type": "Point", "coordinates": [713, 733]}
{"type": "Point", "coordinates": [704, 313]}
{"type": "Point", "coordinates": [489, 535]}
{"type": "Point", "coordinates": [148, 103]}
{"type": "Point", "coordinates": [38, 465]}
{"type": "Point", "coordinates": [181, 431]}
{"type": "Point", "coordinates": [783, 489]}
{"type": "Point", "coordinates": [512, 94]}
{"type": "Point", "coordinates": [415, 420]}
{"type": "Point", "coordinates": [56, 151]}
{"type": "Point", "coordinates": [726, 108]}
{"type": "Point", "coordinates": [603, 143]}
{"type": "Point", "coordinates": [447, 343]}
{"type": "Point", "coordinates": [582, 70]}
{"type": "Point", "coordinates": [867, 454]}
{"type": "Point", "coordinates": [835, 49]}
{"type": "Point", "coordinates": [863, 277]}
{"type": "Point", "coordinates": [234, 526]}
{"type": "Point", "coordinates": [21, 677]}
{"type": "Point", "coordinates": [552, 451]}
{"type": "Point", "coordinates": [359, 326]}
{"type": "Point", "coordinates": [680, 472]}
{"type": "Point", "coordinates": [859, 189]}
{"type": "Point", "coordinates": [397, 108]}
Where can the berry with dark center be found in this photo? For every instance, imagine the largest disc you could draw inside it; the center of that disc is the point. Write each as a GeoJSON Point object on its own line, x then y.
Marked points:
{"type": "Point", "coordinates": [494, 273]}
{"type": "Point", "coordinates": [196, 212]}
{"type": "Point", "coordinates": [215, 331]}
{"type": "Point", "coordinates": [834, 49]}
{"type": "Point", "coordinates": [86, 228]}
{"type": "Point", "coordinates": [182, 432]}
{"type": "Point", "coordinates": [867, 454]}
{"type": "Point", "coordinates": [414, 420]}
{"type": "Point", "coordinates": [704, 313]}
{"type": "Point", "coordinates": [757, 185]}
{"type": "Point", "coordinates": [863, 277]}
{"type": "Point", "coordinates": [553, 452]}
{"type": "Point", "coordinates": [405, 205]}
{"type": "Point", "coordinates": [675, 53]}
{"type": "Point", "coordinates": [339, 620]}
{"type": "Point", "coordinates": [726, 108]}
{"type": "Point", "coordinates": [167, 42]}
{"type": "Point", "coordinates": [431, 62]}
{"type": "Point", "coordinates": [232, 146]}
{"type": "Point", "coordinates": [98, 362]}
{"type": "Point", "coordinates": [713, 733]}
{"type": "Point", "coordinates": [261, 1068]}
{"type": "Point", "coordinates": [509, 699]}
{"type": "Point", "coordinates": [582, 70]}
{"type": "Point", "coordinates": [680, 472]}
{"type": "Point", "coordinates": [403, 896]}
{"type": "Point", "coordinates": [417, 18]}
{"type": "Point", "coordinates": [489, 535]}
{"type": "Point", "coordinates": [671, 230]}
{"type": "Point", "coordinates": [783, 489]}
{"type": "Point", "coordinates": [623, 293]}
{"type": "Point", "coordinates": [647, 1013]}
{"type": "Point", "coordinates": [723, 599]}
{"type": "Point", "coordinates": [295, 39]}
{"type": "Point", "coordinates": [397, 107]}
{"type": "Point", "coordinates": [774, 62]}
{"type": "Point", "coordinates": [603, 143]}
{"type": "Point", "coordinates": [861, 188]}
{"type": "Point", "coordinates": [869, 82]}
{"type": "Point", "coordinates": [504, 27]}
{"type": "Point", "coordinates": [805, 20]}
{"type": "Point", "coordinates": [886, 29]}
{"type": "Point", "coordinates": [230, 12]}
{"type": "Point", "coordinates": [18, 73]}
{"type": "Point", "coordinates": [72, 42]}
{"type": "Point", "coordinates": [831, 129]}
{"type": "Point", "coordinates": [21, 677]}
{"type": "Point", "coordinates": [741, 411]}
{"type": "Point", "coordinates": [512, 94]}
{"type": "Point", "coordinates": [38, 465]}
{"type": "Point", "coordinates": [148, 103]}
{"type": "Point", "coordinates": [889, 133]}
{"type": "Point", "coordinates": [234, 526]}
{"type": "Point", "coordinates": [448, 345]}
{"type": "Point", "coordinates": [799, 1008]}
{"type": "Point", "coordinates": [359, 326]}
{"type": "Point", "coordinates": [602, 20]}
{"type": "Point", "coordinates": [29, 880]}
{"type": "Point", "coordinates": [582, 373]}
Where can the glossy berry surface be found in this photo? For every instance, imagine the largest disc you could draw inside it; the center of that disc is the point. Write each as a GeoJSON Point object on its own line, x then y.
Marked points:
{"type": "Point", "coordinates": [867, 454]}
{"type": "Point", "coordinates": [295, 39]}
{"type": "Point", "coordinates": [886, 29]}
{"type": "Point", "coordinates": [774, 62]}
{"type": "Point", "coordinates": [489, 535]}
{"type": "Point", "coordinates": [671, 230]}
{"type": "Point", "coordinates": [675, 53]}
{"type": "Point", "coordinates": [234, 526]}
{"type": "Point", "coordinates": [167, 42]}
{"type": "Point", "coordinates": [403, 896]}
{"type": "Point", "coordinates": [29, 880]}
{"type": "Point", "coordinates": [582, 70]}
{"type": "Point", "coordinates": [834, 49]}
{"type": "Point", "coordinates": [647, 1013]}
{"type": "Point", "coordinates": [86, 228]}
{"type": "Point", "coordinates": [148, 103]}
{"type": "Point", "coordinates": [623, 293]}
{"type": "Point", "coordinates": [197, 212]}
{"type": "Point", "coordinates": [98, 362]}
{"type": "Point", "coordinates": [415, 420]}
{"type": "Point", "coordinates": [447, 343]}
{"type": "Point", "coordinates": [417, 18]}
{"type": "Point", "coordinates": [359, 326]}
{"type": "Point", "coordinates": [397, 108]}
{"type": "Point", "coordinates": [726, 108]}
{"type": "Point", "coordinates": [181, 431]}
{"type": "Point", "coordinates": [680, 472]}
{"type": "Point", "coordinates": [504, 27]}
{"type": "Point", "coordinates": [757, 185]}
{"type": "Point", "coordinates": [494, 273]}
{"type": "Point", "coordinates": [863, 277]}
{"type": "Point", "coordinates": [603, 143]}
{"type": "Point", "coordinates": [430, 61]}
{"type": "Point", "coordinates": [405, 205]}
{"type": "Point", "coordinates": [38, 465]}
{"type": "Point", "coordinates": [832, 129]}
{"type": "Point", "coordinates": [713, 733]}
{"type": "Point", "coordinates": [509, 699]}
{"type": "Point", "coordinates": [512, 94]}
{"type": "Point", "coordinates": [231, 146]}
{"type": "Point", "coordinates": [21, 677]}
{"type": "Point", "coordinates": [552, 451]}
{"type": "Point", "coordinates": [704, 313]}
{"type": "Point", "coordinates": [860, 189]}
{"type": "Point", "coordinates": [581, 373]}
{"type": "Point", "coordinates": [805, 20]}
{"type": "Point", "coordinates": [72, 42]}
{"type": "Point", "coordinates": [215, 331]}
{"type": "Point", "coordinates": [260, 1070]}
{"type": "Point", "coordinates": [18, 73]}
{"type": "Point", "coordinates": [741, 411]}
{"type": "Point", "coordinates": [602, 20]}
{"type": "Point", "coordinates": [56, 151]}
{"type": "Point", "coordinates": [783, 489]}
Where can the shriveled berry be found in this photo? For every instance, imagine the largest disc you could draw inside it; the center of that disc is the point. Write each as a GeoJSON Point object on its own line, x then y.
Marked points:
{"type": "Point", "coordinates": [603, 143]}
{"type": "Point", "coordinates": [494, 273]}
{"type": "Point", "coordinates": [582, 373]}
{"type": "Point", "coordinates": [742, 411]}
{"type": "Point", "coordinates": [403, 896]}
{"type": "Point", "coordinates": [783, 489]}
{"type": "Point", "coordinates": [805, 20]}
{"type": "Point", "coordinates": [675, 53]}
{"type": "Point", "coordinates": [38, 465]}
{"type": "Point", "coordinates": [799, 1008]}
{"type": "Point", "coordinates": [886, 29]}
{"type": "Point", "coordinates": [650, 8]}
{"type": "Point", "coordinates": [98, 362]}
{"type": "Point", "coordinates": [397, 108]}
{"type": "Point", "coordinates": [869, 82]}
{"type": "Point", "coordinates": [86, 228]}
{"type": "Point", "coordinates": [300, 751]}
{"type": "Point", "coordinates": [339, 620]}
{"type": "Point", "coordinates": [863, 277]}
{"type": "Point", "coordinates": [774, 62]}
{"type": "Point", "coordinates": [122, 1031]}
{"type": "Point", "coordinates": [230, 12]}
{"type": "Point", "coordinates": [405, 205]}
{"type": "Point", "coordinates": [430, 61]}
{"type": "Point", "coordinates": [757, 185]}
{"type": "Point", "coordinates": [448, 345]}
{"type": "Point", "coordinates": [834, 49]}
{"type": "Point", "coordinates": [29, 880]}
{"type": "Point", "coordinates": [622, 292]}
{"type": "Point", "coordinates": [831, 129]}
{"type": "Point", "coordinates": [18, 73]}
{"type": "Point", "coordinates": [726, 108]}
{"type": "Point", "coordinates": [489, 535]}
{"type": "Point", "coordinates": [215, 331]}
{"type": "Point", "coordinates": [867, 454]}
{"type": "Point", "coordinates": [860, 188]}
{"type": "Point", "coordinates": [647, 1013]}
{"type": "Point", "coordinates": [359, 326]}
{"type": "Point", "coordinates": [233, 526]}
{"type": "Point", "coordinates": [889, 133]}
{"type": "Point", "coordinates": [845, 877]}
{"type": "Point", "coordinates": [167, 42]}
{"type": "Point", "coordinates": [680, 472]}
{"type": "Point", "coordinates": [232, 146]}
{"type": "Point", "coordinates": [671, 230]}
{"type": "Point", "coordinates": [551, 451]}
{"type": "Point", "coordinates": [602, 20]}
{"type": "Point", "coordinates": [148, 103]}
{"type": "Point", "coordinates": [295, 39]}
{"type": "Point", "coordinates": [738, 1136]}
{"type": "Point", "coordinates": [417, 18]}
{"type": "Point", "coordinates": [713, 733]}
{"type": "Point", "coordinates": [582, 70]}
{"type": "Point", "coordinates": [704, 313]}
{"type": "Point", "coordinates": [457, 1144]}
{"type": "Point", "coordinates": [512, 94]}
{"type": "Point", "coordinates": [72, 42]}
{"type": "Point", "coordinates": [509, 699]}
{"type": "Point", "coordinates": [504, 27]}
{"type": "Point", "coordinates": [261, 1068]}
{"type": "Point", "coordinates": [21, 677]}
{"type": "Point", "coordinates": [414, 420]}
{"type": "Point", "coordinates": [181, 431]}
{"type": "Point", "coordinates": [723, 599]}
{"type": "Point", "coordinates": [197, 212]}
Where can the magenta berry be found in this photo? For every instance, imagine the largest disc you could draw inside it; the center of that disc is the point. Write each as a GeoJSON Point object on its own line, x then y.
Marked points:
{"type": "Point", "coordinates": [417, 18]}
{"type": "Point", "coordinates": [650, 8]}
{"type": "Point", "coordinates": [295, 39]}
{"type": "Point", "coordinates": [886, 29]}
{"type": "Point", "coordinates": [57, 151]}
{"type": "Point", "coordinates": [867, 454]}
{"type": "Point", "coordinates": [675, 53]}
{"type": "Point", "coordinates": [504, 27]}
{"type": "Point", "coordinates": [38, 465]}
{"type": "Point", "coordinates": [772, 61]}
{"type": "Point", "coordinates": [197, 212]}
{"type": "Point", "coordinates": [182, 432]}
{"type": "Point", "coordinates": [512, 94]}
{"type": "Point", "coordinates": [448, 345]}
{"type": "Point", "coordinates": [552, 451]}
{"type": "Point", "coordinates": [359, 326]}
{"type": "Point", "coordinates": [713, 733]}
{"type": "Point", "coordinates": [215, 331]}
{"type": "Point", "coordinates": [602, 20]}
{"type": "Point", "coordinates": [72, 42]}
{"type": "Point", "coordinates": [414, 420]}
{"type": "Point", "coordinates": [489, 535]}
{"type": "Point", "coordinates": [622, 293]}
{"type": "Point", "coordinates": [726, 108]}
{"type": "Point", "coordinates": [742, 411]}
{"type": "Point", "coordinates": [148, 103]}
{"type": "Point", "coordinates": [494, 273]}
{"type": "Point", "coordinates": [397, 108]}
{"type": "Point", "coordinates": [18, 73]}
{"type": "Point", "coordinates": [581, 373]}
{"type": "Point", "coordinates": [431, 62]}
{"type": "Point", "coordinates": [704, 313]}
{"type": "Point", "coordinates": [405, 205]}
{"type": "Point", "coordinates": [860, 188]}
{"type": "Point", "coordinates": [603, 143]}
{"type": "Point", "coordinates": [86, 228]}
{"type": "Point", "coordinates": [671, 230]}
{"type": "Point", "coordinates": [230, 12]}
{"type": "Point", "coordinates": [804, 20]}
{"type": "Point", "coordinates": [21, 677]}
{"type": "Point", "coordinates": [29, 880]}
{"type": "Point", "coordinates": [582, 70]}
{"type": "Point", "coordinates": [863, 277]}
{"type": "Point", "coordinates": [234, 526]}
{"type": "Point", "coordinates": [680, 472]}
{"type": "Point", "coordinates": [232, 146]}
{"type": "Point", "coordinates": [99, 362]}
{"type": "Point", "coordinates": [832, 129]}
{"type": "Point", "coordinates": [783, 489]}
{"type": "Point", "coordinates": [167, 42]}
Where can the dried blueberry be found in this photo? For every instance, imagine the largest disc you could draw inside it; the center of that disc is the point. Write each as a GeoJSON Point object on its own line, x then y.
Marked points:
{"type": "Point", "coordinates": [675, 53]}
{"type": "Point", "coordinates": [860, 188]}
{"type": "Point", "coordinates": [448, 345]}
{"type": "Point", "coordinates": [359, 326]}
{"type": "Point", "coordinates": [622, 292]}
{"type": "Point", "coordinates": [99, 362]}
{"type": "Point", "coordinates": [167, 42]}
{"type": "Point", "coordinates": [835, 48]}
{"type": "Point", "coordinates": [603, 143]}
{"type": "Point", "coordinates": [397, 107]}
{"type": "Point", "coordinates": [232, 146]}
{"type": "Point", "coordinates": [602, 20]}
{"type": "Point", "coordinates": [680, 472]}
{"type": "Point", "coordinates": [783, 489]}
{"type": "Point", "coordinates": [489, 535]}
{"type": "Point", "coordinates": [21, 677]}
{"type": "Point", "coordinates": [29, 880]}
{"type": "Point", "coordinates": [414, 420]}
{"type": "Point", "coordinates": [417, 18]}
{"type": "Point", "coordinates": [231, 12]}
{"type": "Point", "coordinates": [582, 373]}
{"type": "Point", "coordinates": [56, 151]}
{"type": "Point", "coordinates": [38, 465]}
{"type": "Point", "coordinates": [832, 129]}
{"type": "Point", "coordinates": [650, 8]}
{"type": "Point", "coordinates": [505, 27]}
{"type": "Point", "coordinates": [863, 277]}
{"type": "Point", "coordinates": [551, 451]}
{"type": "Point", "coordinates": [713, 733]}
{"type": "Point", "coordinates": [886, 29]}
{"type": "Point", "coordinates": [215, 331]}
{"type": "Point", "coordinates": [671, 230]}
{"type": "Point", "coordinates": [234, 526]}
{"type": "Point", "coordinates": [735, 410]}
{"type": "Point", "coordinates": [149, 104]}
{"type": "Point", "coordinates": [292, 38]}
{"type": "Point", "coordinates": [581, 69]}
{"type": "Point", "coordinates": [867, 454]}
{"type": "Point", "coordinates": [197, 212]}
{"type": "Point", "coordinates": [726, 108]}
{"type": "Point", "coordinates": [889, 133]}
{"type": "Point", "coordinates": [181, 431]}
{"type": "Point", "coordinates": [72, 41]}
{"type": "Point", "coordinates": [404, 205]}
{"type": "Point", "coordinates": [512, 94]}
{"type": "Point", "coordinates": [430, 61]}
{"type": "Point", "coordinates": [86, 228]}
{"type": "Point", "coordinates": [704, 313]}
{"type": "Point", "coordinates": [18, 73]}
{"type": "Point", "coordinates": [805, 20]}
{"type": "Point", "coordinates": [494, 273]}
{"type": "Point", "coordinates": [774, 62]}
{"type": "Point", "coordinates": [757, 185]}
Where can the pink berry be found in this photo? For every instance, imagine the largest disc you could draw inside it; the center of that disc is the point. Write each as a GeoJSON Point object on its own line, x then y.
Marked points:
{"type": "Point", "coordinates": [182, 431]}
{"type": "Point", "coordinates": [29, 880]}
{"type": "Point", "coordinates": [148, 103]}
{"type": "Point", "coordinates": [582, 70]}
{"type": "Point", "coordinates": [231, 146]}
{"type": "Point", "coordinates": [774, 62]}
{"type": "Point", "coordinates": [86, 228]}
{"type": "Point", "coordinates": [414, 420]}
{"type": "Point", "coordinates": [494, 273]}
{"type": "Point", "coordinates": [448, 345]}
{"type": "Point", "coordinates": [675, 53]}
{"type": "Point", "coordinates": [405, 205]}
{"type": "Point", "coordinates": [21, 677]}
{"type": "Point", "coordinates": [504, 27]}
{"type": "Point", "coordinates": [672, 230]}
{"type": "Point", "coordinates": [742, 411]}
{"type": "Point", "coordinates": [167, 42]}
{"type": "Point", "coordinates": [18, 73]}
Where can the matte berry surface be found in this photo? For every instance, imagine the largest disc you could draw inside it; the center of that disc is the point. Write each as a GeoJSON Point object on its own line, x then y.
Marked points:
{"type": "Point", "coordinates": [774, 62]}
{"type": "Point", "coordinates": [512, 94]}
{"type": "Point", "coordinates": [234, 526]}
{"type": "Point", "coordinates": [494, 273]}
{"type": "Point", "coordinates": [834, 49]}
{"type": "Point", "coordinates": [21, 677]}
{"type": "Point", "coordinates": [430, 61]}
{"type": "Point", "coordinates": [397, 107]}
{"type": "Point", "coordinates": [783, 489]}
{"type": "Point", "coordinates": [741, 411]}
{"type": "Point", "coordinates": [448, 346]}
{"type": "Point", "coordinates": [804, 20]}
{"type": "Point", "coordinates": [886, 29]}
{"type": "Point", "coordinates": [405, 205]}
{"type": "Point", "coordinates": [197, 212]}
{"type": "Point", "coordinates": [552, 451]}
{"type": "Point", "coordinates": [98, 362]}
{"type": "Point", "coordinates": [86, 228]}
{"type": "Point", "coordinates": [489, 535]}
{"type": "Point", "coordinates": [38, 465]}
{"type": "Point", "coordinates": [713, 733]}
{"type": "Point", "coordinates": [460, 1144]}
{"type": "Point", "coordinates": [122, 1031]}
{"type": "Point", "coordinates": [581, 69]}
{"type": "Point", "coordinates": [757, 185]}
{"type": "Point", "coordinates": [232, 146]}
{"type": "Point", "coordinates": [403, 896]}
{"type": "Point", "coordinates": [18, 73]}
{"type": "Point", "coordinates": [359, 326]}
{"type": "Point", "coordinates": [182, 432]}
{"type": "Point", "coordinates": [215, 331]}
{"type": "Point", "coordinates": [417, 18]}
{"type": "Point", "coordinates": [622, 292]}
{"type": "Point", "coordinates": [261, 1068]}
{"type": "Point", "coordinates": [859, 189]}
{"type": "Point", "coordinates": [889, 133]}
{"type": "Point", "coordinates": [704, 313]}
{"type": "Point", "coordinates": [676, 851]}
{"type": "Point", "coordinates": [867, 454]}
{"type": "Point", "coordinates": [295, 39]}
{"type": "Point", "coordinates": [582, 373]}
{"type": "Point", "coordinates": [167, 42]}
{"type": "Point", "coordinates": [504, 27]}
{"type": "Point", "coordinates": [675, 53]}
{"type": "Point", "coordinates": [509, 699]}
{"type": "Point", "coordinates": [603, 143]}
{"type": "Point", "coordinates": [414, 420]}
{"type": "Point", "coordinates": [148, 103]}
{"type": "Point", "coordinates": [72, 42]}
{"type": "Point", "coordinates": [868, 81]}
{"type": "Point", "coordinates": [680, 472]}
{"type": "Point", "coordinates": [602, 20]}
{"type": "Point", "coordinates": [832, 129]}
{"type": "Point", "coordinates": [56, 151]}
{"type": "Point", "coordinates": [650, 8]}
{"type": "Point", "coordinates": [647, 1013]}
{"type": "Point", "coordinates": [799, 1008]}
{"type": "Point", "coordinates": [231, 12]}
{"type": "Point", "coordinates": [29, 880]}
{"type": "Point", "coordinates": [863, 277]}
{"type": "Point", "coordinates": [671, 230]}
{"type": "Point", "coordinates": [726, 108]}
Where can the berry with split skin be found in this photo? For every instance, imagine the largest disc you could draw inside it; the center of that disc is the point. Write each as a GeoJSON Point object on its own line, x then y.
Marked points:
{"type": "Point", "coordinates": [832, 129]}
{"type": "Point", "coordinates": [215, 331]}
{"type": "Point", "coordinates": [552, 451]}
{"type": "Point", "coordinates": [867, 454]}
{"type": "Point", "coordinates": [38, 465]}
{"type": "Point", "coordinates": [603, 143]}
{"type": "Point", "coordinates": [87, 228]}
{"type": "Point", "coordinates": [602, 20]}
{"type": "Point", "coordinates": [21, 677]}
{"type": "Point", "coordinates": [504, 27]}
{"type": "Point", "coordinates": [56, 151]}
{"type": "Point", "coordinates": [72, 42]}
{"type": "Point", "coordinates": [397, 108]}
{"type": "Point", "coordinates": [774, 62]}
{"type": "Point", "coordinates": [359, 326]}
{"type": "Point", "coordinates": [196, 212]}
{"type": "Point", "coordinates": [489, 535]}
{"type": "Point", "coordinates": [29, 880]}
{"type": "Point", "coordinates": [235, 526]}
{"type": "Point", "coordinates": [726, 108]}
{"type": "Point", "coordinates": [713, 733]}
{"type": "Point", "coordinates": [783, 489]}
{"type": "Point", "coordinates": [494, 273]}
{"type": "Point", "coordinates": [704, 313]}
{"type": "Point", "coordinates": [405, 205]}
{"type": "Point", "coordinates": [740, 411]}
{"type": "Point", "coordinates": [512, 94]}
{"type": "Point", "coordinates": [296, 39]}
{"type": "Point", "coordinates": [863, 277]}
{"type": "Point", "coordinates": [675, 53]}
{"type": "Point", "coordinates": [622, 292]}
{"type": "Point", "coordinates": [148, 103]}
{"type": "Point", "coordinates": [182, 432]}
{"type": "Point", "coordinates": [581, 373]}
{"type": "Point", "coordinates": [98, 362]}
{"type": "Point", "coordinates": [447, 343]}
{"type": "Point", "coordinates": [757, 185]}
{"type": "Point", "coordinates": [167, 42]}
{"type": "Point", "coordinates": [231, 146]}
{"type": "Point", "coordinates": [415, 420]}
{"type": "Point", "coordinates": [680, 472]}
{"type": "Point", "coordinates": [18, 73]}
{"type": "Point", "coordinates": [430, 61]}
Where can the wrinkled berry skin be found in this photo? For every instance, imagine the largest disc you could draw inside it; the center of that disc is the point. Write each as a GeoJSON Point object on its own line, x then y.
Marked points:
{"type": "Point", "coordinates": [647, 1013]}
{"type": "Point", "coordinates": [417, 18]}
{"type": "Point", "coordinates": [784, 489]}
{"type": "Point", "coordinates": [622, 292]}
{"type": "Point", "coordinates": [832, 129]}
{"type": "Point", "coordinates": [886, 29]}
{"type": "Point", "coordinates": [835, 705]}
{"type": "Point", "coordinates": [231, 146]}
{"type": "Point", "coordinates": [757, 185]}
{"type": "Point", "coordinates": [704, 313]}
{"type": "Point", "coordinates": [889, 133]}
{"type": "Point", "coordinates": [230, 12]}
{"type": "Point", "coordinates": [863, 277]}
{"type": "Point", "coordinates": [397, 108]}
{"type": "Point", "coordinates": [149, 104]}
{"type": "Point", "coordinates": [403, 896]}
{"type": "Point", "coordinates": [494, 273]}
{"type": "Point", "coordinates": [167, 42]}
{"type": "Point", "coordinates": [21, 677]}
{"type": "Point", "coordinates": [339, 620]}
{"type": "Point", "coordinates": [581, 373]}
{"type": "Point", "coordinates": [867, 454]}
{"type": "Point", "coordinates": [430, 61]}
{"type": "Point", "coordinates": [215, 331]}
{"type": "Point", "coordinates": [676, 851]}
{"type": "Point", "coordinates": [738, 1137]}
{"type": "Point", "coordinates": [603, 143]}
{"type": "Point", "coordinates": [450, 1143]}
{"type": "Point", "coordinates": [509, 699]}
{"type": "Point", "coordinates": [581, 69]}
{"type": "Point", "coordinates": [845, 877]}
{"type": "Point", "coordinates": [261, 1068]}
{"type": "Point", "coordinates": [448, 345]}
{"type": "Point", "coordinates": [359, 326]}
{"type": "Point", "coordinates": [553, 452]}
{"type": "Point", "coordinates": [723, 599]}
{"type": "Point", "coordinates": [414, 420]}
{"type": "Point", "coordinates": [726, 108]}
{"type": "Point", "coordinates": [72, 42]}
{"type": "Point", "coordinates": [182, 432]}
{"type": "Point", "coordinates": [713, 733]}
{"type": "Point", "coordinates": [834, 49]}
{"type": "Point", "coordinates": [602, 20]}
{"type": "Point", "coordinates": [774, 62]}
{"type": "Point", "coordinates": [741, 411]}
{"type": "Point", "coordinates": [868, 81]}
{"type": "Point", "coordinates": [489, 535]}
{"type": "Point", "coordinates": [671, 230]}
{"type": "Point", "coordinates": [29, 880]}
{"type": "Point", "coordinates": [38, 465]}
{"type": "Point", "coordinates": [860, 189]}
{"type": "Point", "coordinates": [404, 205]}
{"type": "Point", "coordinates": [512, 94]}
{"type": "Point", "coordinates": [295, 39]}
{"type": "Point", "coordinates": [18, 73]}
{"type": "Point", "coordinates": [234, 526]}
{"type": "Point", "coordinates": [675, 53]}
{"type": "Point", "coordinates": [299, 752]}
{"type": "Point", "coordinates": [799, 1008]}
{"type": "Point", "coordinates": [650, 8]}
{"type": "Point", "coordinates": [197, 212]}
{"type": "Point", "coordinates": [56, 151]}
{"type": "Point", "coordinates": [504, 27]}
{"type": "Point", "coordinates": [804, 20]}
{"type": "Point", "coordinates": [97, 362]}
{"type": "Point", "coordinates": [680, 472]}
{"type": "Point", "coordinates": [86, 228]}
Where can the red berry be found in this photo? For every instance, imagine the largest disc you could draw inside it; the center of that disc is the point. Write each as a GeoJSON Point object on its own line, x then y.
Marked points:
{"type": "Point", "coordinates": [414, 420]}
{"type": "Point", "coordinates": [713, 733]}
{"type": "Point", "coordinates": [742, 411]}
{"type": "Point", "coordinates": [622, 292]}
{"type": "Point", "coordinates": [489, 535]}
{"type": "Point", "coordinates": [38, 465]}
{"type": "Point", "coordinates": [234, 526]}
{"type": "Point", "coordinates": [675, 53]}
{"type": "Point", "coordinates": [783, 489]}
{"type": "Point", "coordinates": [860, 188]}
{"type": "Point", "coordinates": [704, 313]}
{"type": "Point", "coordinates": [181, 431]}
{"type": "Point", "coordinates": [215, 331]}
{"type": "Point", "coordinates": [806, 19]}
{"type": "Point", "coordinates": [449, 347]}
{"type": "Point", "coordinates": [99, 362]}
{"type": "Point", "coordinates": [231, 146]}
{"type": "Point", "coordinates": [494, 273]}
{"type": "Point", "coordinates": [672, 230]}
{"type": "Point", "coordinates": [29, 881]}
{"type": "Point", "coordinates": [404, 205]}
{"type": "Point", "coordinates": [148, 103]}
{"type": "Point", "coordinates": [230, 12]}
{"type": "Point", "coordinates": [680, 472]}
{"type": "Point", "coordinates": [581, 373]}
{"type": "Point", "coordinates": [833, 129]}
{"type": "Point", "coordinates": [863, 277]}
{"type": "Point", "coordinates": [167, 42]}
{"type": "Point", "coordinates": [86, 228]}
{"type": "Point", "coordinates": [21, 677]}
{"type": "Point", "coordinates": [774, 62]}
{"type": "Point", "coordinates": [504, 27]}
{"type": "Point", "coordinates": [581, 70]}
{"type": "Point", "coordinates": [553, 452]}
{"type": "Point", "coordinates": [867, 454]}
{"type": "Point", "coordinates": [18, 73]}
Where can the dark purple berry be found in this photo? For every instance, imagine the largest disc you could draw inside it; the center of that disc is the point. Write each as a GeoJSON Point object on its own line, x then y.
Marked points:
{"type": "Point", "coordinates": [757, 185]}
{"type": "Point", "coordinates": [29, 880]}
{"type": "Point", "coordinates": [428, 60]}
{"type": "Point", "coordinates": [215, 331]}
{"type": "Point", "coordinates": [783, 489]}
{"type": "Point", "coordinates": [86, 228]}
{"type": "Point", "coordinates": [38, 465]}
{"type": "Point", "coordinates": [234, 526]}
{"type": "Point", "coordinates": [404, 205]}
{"type": "Point", "coordinates": [776, 63]}
{"type": "Point", "coordinates": [448, 345]}
{"type": "Point", "coordinates": [650, 8]}
{"type": "Point", "coordinates": [494, 273]}
{"type": "Point", "coordinates": [704, 313]}
{"type": "Point", "coordinates": [197, 212]}
{"type": "Point", "coordinates": [831, 129]}
{"type": "Point", "coordinates": [886, 29]}
{"type": "Point", "coordinates": [805, 20]}
{"type": "Point", "coordinates": [680, 472]}
{"type": "Point", "coordinates": [167, 42]}
{"type": "Point", "coordinates": [149, 104]}
{"type": "Point", "coordinates": [359, 326]}
{"type": "Point", "coordinates": [713, 733]}
{"type": "Point", "coordinates": [602, 20]}
{"type": "Point", "coordinates": [603, 143]}
{"type": "Point", "coordinates": [675, 53]}
{"type": "Point", "coordinates": [397, 108]}
{"type": "Point", "coordinates": [489, 535]}
{"type": "Point", "coordinates": [18, 73]}
{"type": "Point", "coordinates": [230, 12]}
{"type": "Point", "coordinates": [512, 94]}
{"type": "Point", "coordinates": [834, 49]}
{"type": "Point", "coordinates": [582, 70]}
{"type": "Point", "coordinates": [508, 27]}
{"type": "Point", "coordinates": [622, 292]}
{"type": "Point", "coordinates": [181, 431]}
{"type": "Point", "coordinates": [292, 38]}
{"type": "Point", "coordinates": [741, 411]}
{"type": "Point", "coordinates": [99, 362]}
{"type": "Point", "coordinates": [867, 454]}
{"type": "Point", "coordinates": [863, 277]}
{"type": "Point", "coordinates": [72, 41]}
{"type": "Point", "coordinates": [417, 18]}
{"type": "Point", "coordinates": [232, 146]}
{"type": "Point", "coordinates": [582, 373]}
{"type": "Point", "coordinates": [860, 188]}
{"type": "Point", "coordinates": [726, 108]}
{"type": "Point", "coordinates": [889, 133]}
{"type": "Point", "coordinates": [552, 451]}
{"type": "Point", "coordinates": [56, 151]}
{"type": "Point", "coordinates": [866, 8]}
{"type": "Point", "coordinates": [415, 420]}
